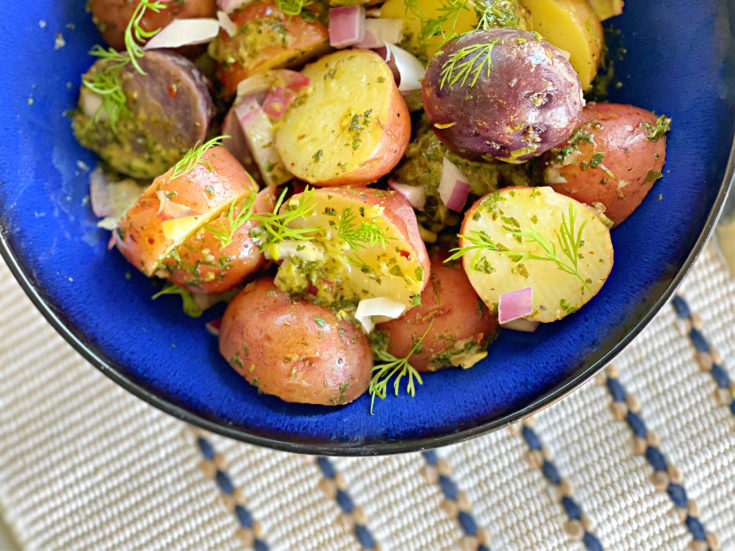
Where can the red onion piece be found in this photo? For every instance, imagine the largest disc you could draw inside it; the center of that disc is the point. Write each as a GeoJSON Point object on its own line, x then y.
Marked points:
{"type": "Point", "coordinates": [379, 31]}
{"type": "Point", "coordinates": [380, 308]}
{"type": "Point", "coordinates": [346, 26]}
{"type": "Point", "coordinates": [99, 194]}
{"type": "Point", "coordinates": [264, 82]}
{"type": "Point", "coordinates": [388, 58]}
{"type": "Point", "coordinates": [416, 195]}
{"type": "Point", "coordinates": [514, 305]}
{"type": "Point", "coordinates": [277, 102]}
{"type": "Point", "coordinates": [525, 326]}
{"type": "Point", "coordinates": [228, 6]}
{"type": "Point", "coordinates": [410, 70]}
{"type": "Point", "coordinates": [453, 186]}
{"type": "Point", "coordinates": [246, 110]}
{"type": "Point", "coordinates": [214, 326]}
{"type": "Point", "coordinates": [185, 32]}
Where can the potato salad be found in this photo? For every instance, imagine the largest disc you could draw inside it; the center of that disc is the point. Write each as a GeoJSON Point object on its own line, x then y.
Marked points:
{"type": "Point", "coordinates": [374, 189]}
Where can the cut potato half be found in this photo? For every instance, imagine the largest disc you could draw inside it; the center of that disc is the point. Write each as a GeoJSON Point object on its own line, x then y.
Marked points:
{"type": "Point", "coordinates": [349, 126]}
{"type": "Point", "coordinates": [573, 26]}
{"type": "Point", "coordinates": [365, 244]}
{"type": "Point", "coordinates": [509, 238]}
{"type": "Point", "coordinates": [605, 9]}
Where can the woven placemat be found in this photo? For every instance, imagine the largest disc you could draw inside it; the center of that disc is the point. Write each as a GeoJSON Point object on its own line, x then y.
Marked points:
{"type": "Point", "coordinates": [643, 457]}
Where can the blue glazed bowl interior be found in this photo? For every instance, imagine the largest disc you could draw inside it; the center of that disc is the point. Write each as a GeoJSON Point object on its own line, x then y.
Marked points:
{"type": "Point", "coordinates": [679, 62]}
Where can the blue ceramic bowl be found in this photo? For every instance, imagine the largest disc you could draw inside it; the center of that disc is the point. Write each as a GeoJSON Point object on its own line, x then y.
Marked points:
{"type": "Point", "coordinates": [680, 61]}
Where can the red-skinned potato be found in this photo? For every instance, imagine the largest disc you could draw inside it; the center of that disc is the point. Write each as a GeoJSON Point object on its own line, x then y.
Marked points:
{"type": "Point", "coordinates": [203, 264]}
{"type": "Point", "coordinates": [361, 131]}
{"type": "Point", "coordinates": [520, 98]}
{"type": "Point", "coordinates": [612, 159]}
{"type": "Point", "coordinates": [112, 16]}
{"type": "Point", "coordinates": [456, 323]}
{"type": "Point", "coordinates": [297, 351]}
{"type": "Point", "coordinates": [339, 264]}
{"type": "Point", "coordinates": [266, 38]}
{"type": "Point", "coordinates": [171, 209]}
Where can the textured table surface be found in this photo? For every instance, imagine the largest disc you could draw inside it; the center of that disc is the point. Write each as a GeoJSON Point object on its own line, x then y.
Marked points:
{"type": "Point", "coordinates": [643, 457]}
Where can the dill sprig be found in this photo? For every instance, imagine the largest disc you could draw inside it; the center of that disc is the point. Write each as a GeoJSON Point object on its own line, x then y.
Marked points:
{"type": "Point", "coordinates": [274, 226]}
{"type": "Point", "coordinates": [187, 301]}
{"type": "Point", "coordinates": [569, 241]}
{"type": "Point", "coordinates": [107, 82]}
{"type": "Point", "coordinates": [194, 156]}
{"type": "Point", "coordinates": [292, 7]}
{"type": "Point", "coordinates": [431, 26]}
{"type": "Point", "coordinates": [359, 236]}
{"type": "Point", "coordinates": [225, 230]}
{"type": "Point", "coordinates": [467, 63]}
{"type": "Point", "coordinates": [398, 367]}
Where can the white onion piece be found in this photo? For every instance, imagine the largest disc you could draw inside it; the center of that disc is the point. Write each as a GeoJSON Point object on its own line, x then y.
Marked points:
{"type": "Point", "coordinates": [526, 326]}
{"type": "Point", "coordinates": [377, 310]}
{"type": "Point", "coordinates": [110, 200]}
{"type": "Point", "coordinates": [379, 31]}
{"type": "Point", "coordinates": [416, 195]}
{"type": "Point", "coordinates": [552, 175]}
{"type": "Point", "coordinates": [453, 186]}
{"type": "Point", "coordinates": [228, 6]}
{"type": "Point", "coordinates": [411, 70]}
{"type": "Point", "coordinates": [346, 26]}
{"type": "Point", "coordinates": [226, 23]}
{"type": "Point", "coordinates": [260, 137]}
{"type": "Point", "coordinates": [514, 305]}
{"type": "Point", "coordinates": [185, 32]}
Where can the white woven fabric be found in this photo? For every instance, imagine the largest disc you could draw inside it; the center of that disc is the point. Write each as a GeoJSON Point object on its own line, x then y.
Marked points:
{"type": "Point", "coordinates": [84, 465]}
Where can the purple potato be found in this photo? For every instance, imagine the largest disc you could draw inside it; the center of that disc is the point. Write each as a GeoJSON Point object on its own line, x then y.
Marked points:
{"type": "Point", "coordinates": [167, 111]}
{"type": "Point", "coordinates": [522, 101]}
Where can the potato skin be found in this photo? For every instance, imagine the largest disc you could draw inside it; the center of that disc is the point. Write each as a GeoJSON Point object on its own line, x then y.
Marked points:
{"type": "Point", "coordinates": [530, 101]}
{"type": "Point", "coordinates": [112, 16]}
{"type": "Point", "coordinates": [266, 39]}
{"type": "Point", "coordinates": [629, 166]}
{"type": "Point", "coordinates": [297, 351]}
{"type": "Point", "coordinates": [202, 265]}
{"type": "Point", "coordinates": [187, 202]}
{"type": "Point", "coordinates": [460, 319]}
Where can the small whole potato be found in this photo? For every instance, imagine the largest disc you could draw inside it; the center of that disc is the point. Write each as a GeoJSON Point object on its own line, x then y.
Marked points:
{"type": "Point", "coordinates": [113, 16]}
{"type": "Point", "coordinates": [612, 159]}
{"type": "Point", "coordinates": [456, 323]}
{"type": "Point", "coordinates": [292, 349]}
{"type": "Point", "coordinates": [501, 94]}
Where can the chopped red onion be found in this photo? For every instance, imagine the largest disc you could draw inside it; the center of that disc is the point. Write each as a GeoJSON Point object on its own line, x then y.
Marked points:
{"type": "Point", "coordinates": [185, 32]}
{"type": "Point", "coordinates": [346, 26]}
{"type": "Point", "coordinates": [264, 82]}
{"type": "Point", "coordinates": [379, 31]}
{"type": "Point", "coordinates": [416, 195]}
{"type": "Point", "coordinates": [410, 70]}
{"type": "Point", "coordinates": [514, 305]}
{"type": "Point", "coordinates": [526, 326]}
{"type": "Point", "coordinates": [277, 102]}
{"type": "Point", "coordinates": [110, 200]}
{"type": "Point", "coordinates": [99, 194]}
{"type": "Point", "coordinates": [214, 326]}
{"type": "Point", "coordinates": [226, 24]}
{"type": "Point", "coordinates": [453, 186]}
{"type": "Point", "coordinates": [228, 6]}
{"type": "Point", "coordinates": [380, 308]}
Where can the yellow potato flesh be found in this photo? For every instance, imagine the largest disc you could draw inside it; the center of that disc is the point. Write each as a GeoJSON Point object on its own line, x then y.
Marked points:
{"type": "Point", "coordinates": [556, 293]}
{"type": "Point", "coordinates": [334, 126]}
{"type": "Point", "coordinates": [396, 9]}
{"type": "Point", "coordinates": [356, 274]}
{"type": "Point", "coordinates": [573, 26]}
{"type": "Point", "coordinates": [605, 9]}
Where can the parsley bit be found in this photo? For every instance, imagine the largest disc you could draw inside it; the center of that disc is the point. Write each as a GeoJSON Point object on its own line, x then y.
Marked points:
{"type": "Point", "coordinates": [187, 300]}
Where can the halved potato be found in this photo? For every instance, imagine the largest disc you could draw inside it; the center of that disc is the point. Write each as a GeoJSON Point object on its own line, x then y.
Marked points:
{"type": "Point", "coordinates": [573, 26]}
{"type": "Point", "coordinates": [605, 9]}
{"type": "Point", "coordinates": [506, 234]}
{"type": "Point", "coordinates": [171, 209]}
{"type": "Point", "coordinates": [342, 262]}
{"type": "Point", "coordinates": [349, 126]}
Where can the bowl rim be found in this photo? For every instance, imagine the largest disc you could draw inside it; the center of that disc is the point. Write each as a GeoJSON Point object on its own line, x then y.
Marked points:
{"type": "Point", "coordinates": [377, 448]}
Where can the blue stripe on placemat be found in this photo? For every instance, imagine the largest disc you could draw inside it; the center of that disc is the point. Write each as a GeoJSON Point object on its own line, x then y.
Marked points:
{"type": "Point", "coordinates": [248, 527]}
{"type": "Point", "coordinates": [708, 358]}
{"type": "Point", "coordinates": [646, 441]}
{"type": "Point", "coordinates": [476, 537]}
{"type": "Point", "coordinates": [578, 526]}
{"type": "Point", "coordinates": [344, 500]}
